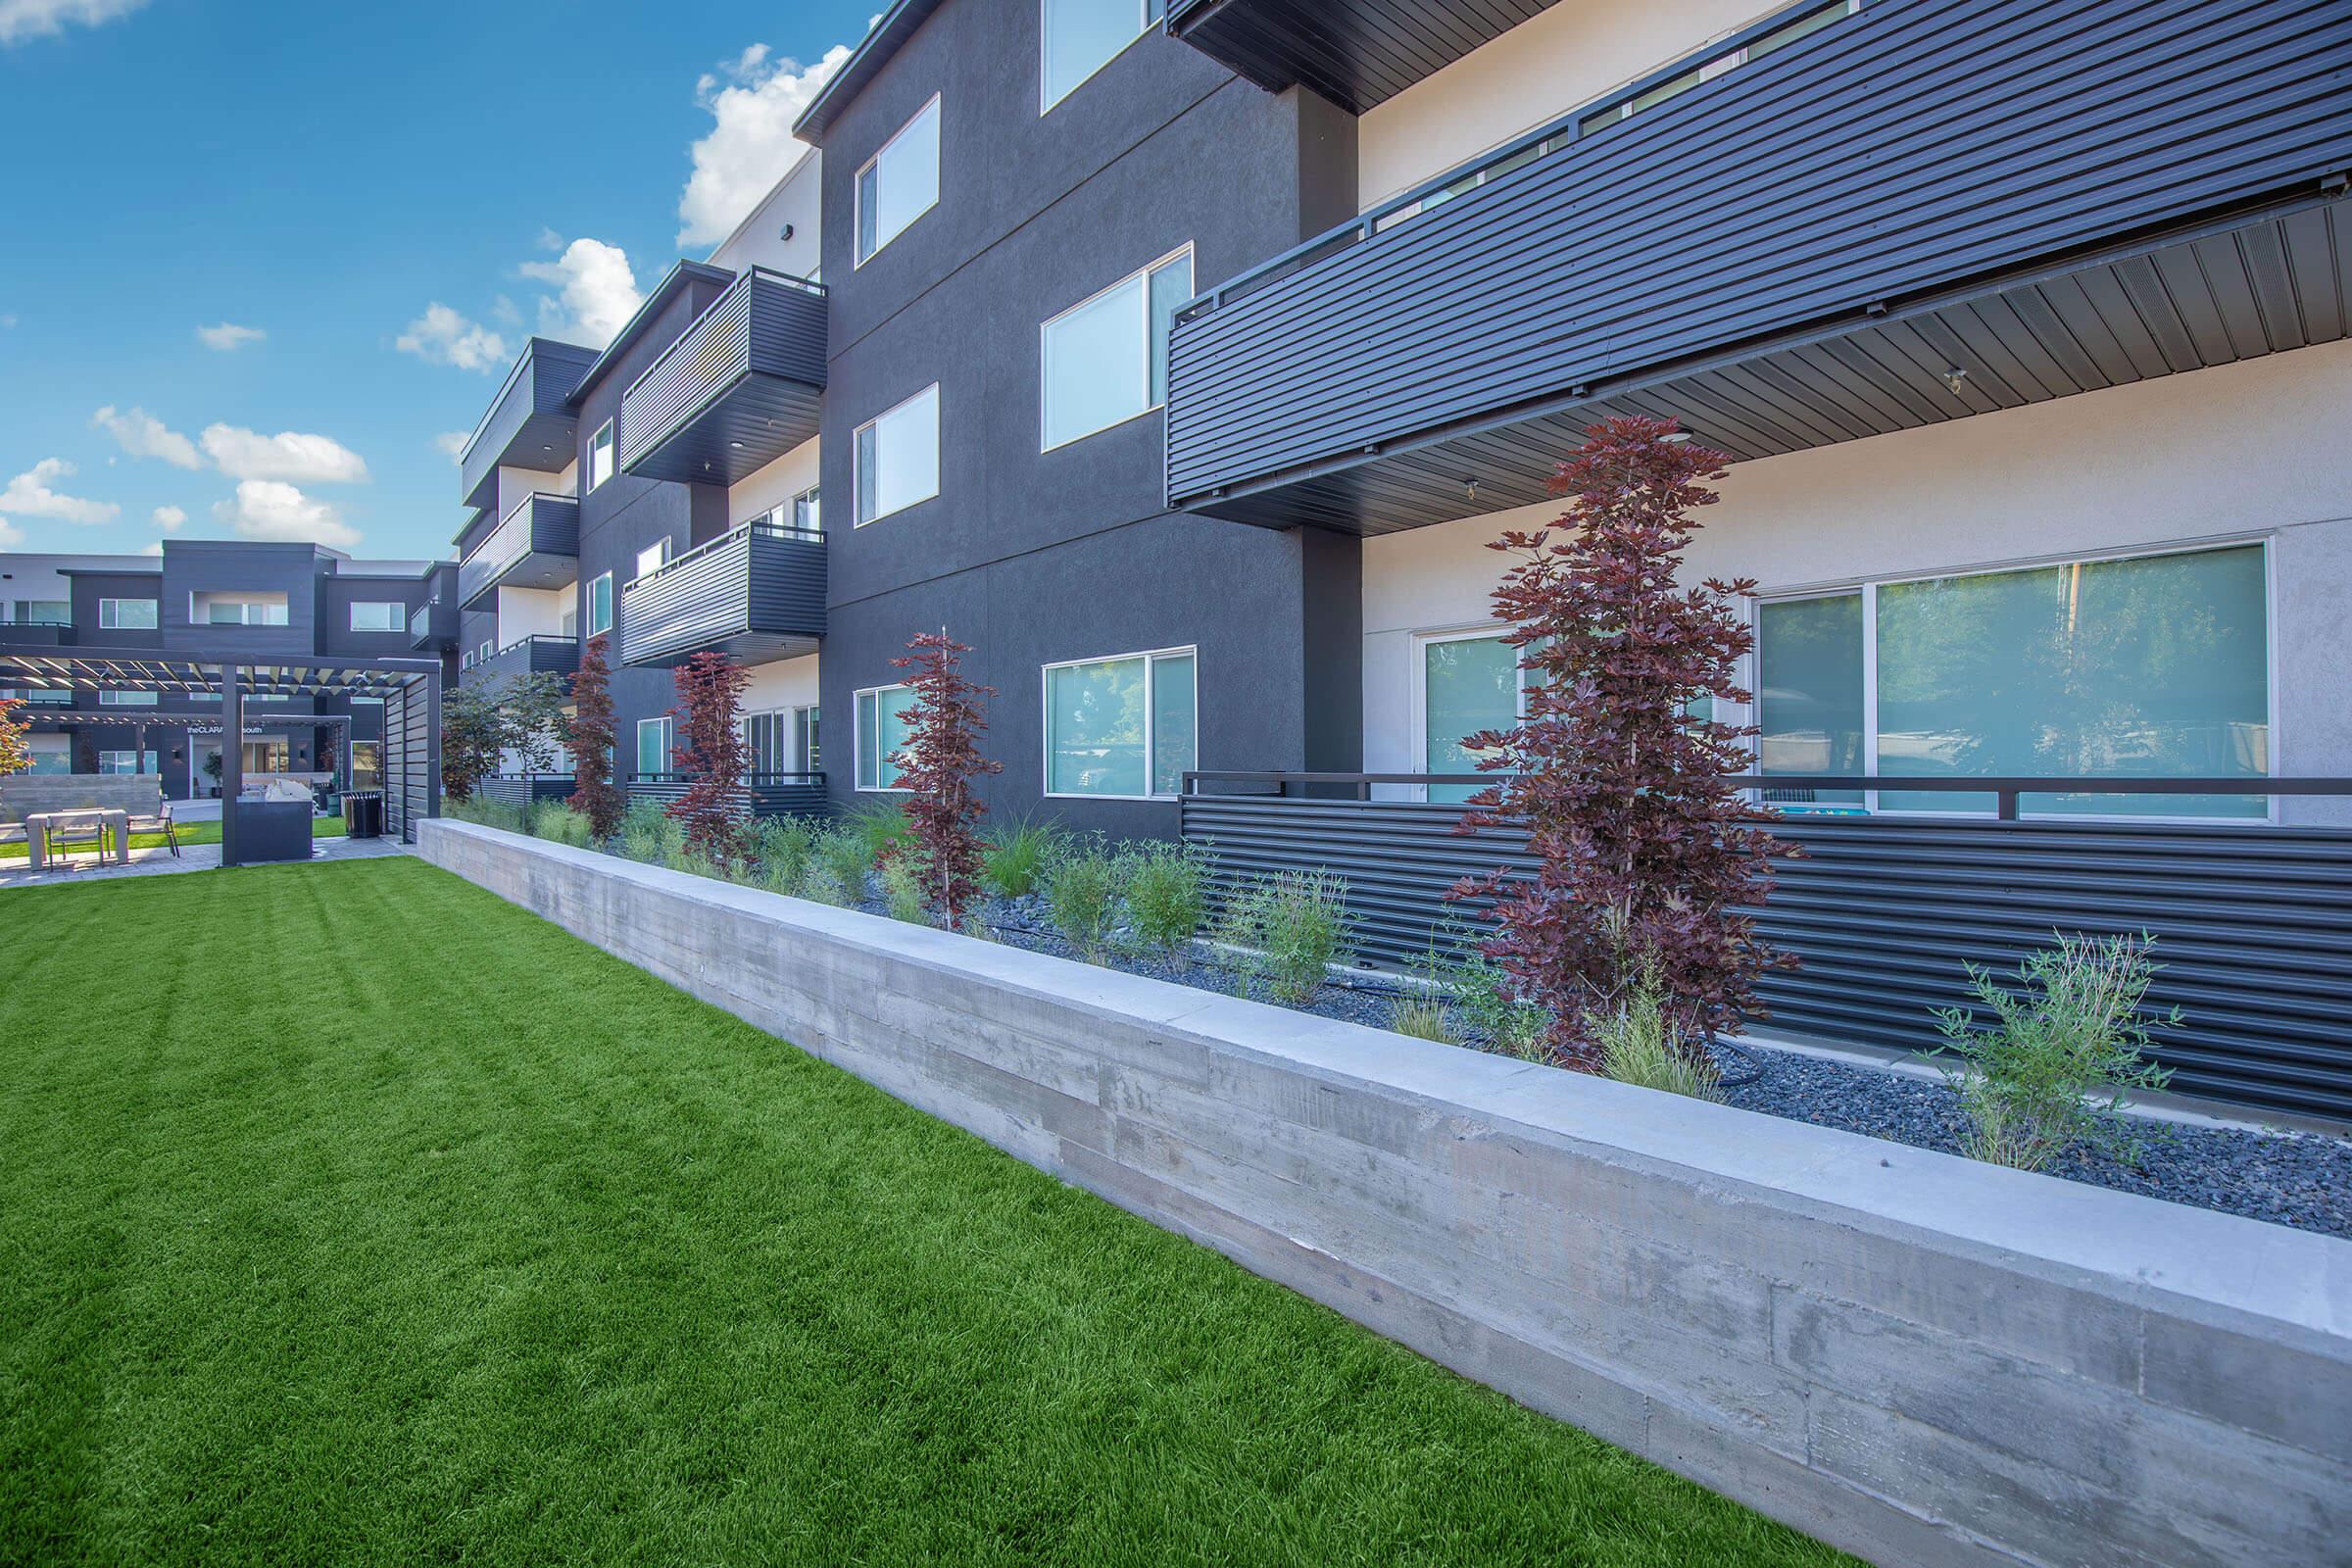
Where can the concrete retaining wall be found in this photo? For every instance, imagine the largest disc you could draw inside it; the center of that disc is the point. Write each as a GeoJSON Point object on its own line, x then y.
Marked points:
{"type": "Point", "coordinates": [1918, 1358]}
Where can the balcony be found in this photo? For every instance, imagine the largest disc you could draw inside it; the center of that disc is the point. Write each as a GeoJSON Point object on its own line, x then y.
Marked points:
{"type": "Point", "coordinates": [535, 655]}
{"type": "Point", "coordinates": [536, 546]}
{"type": "Point", "coordinates": [433, 626]}
{"type": "Point", "coordinates": [740, 387]}
{"type": "Point", "coordinates": [530, 423]}
{"type": "Point", "coordinates": [764, 794]}
{"type": "Point", "coordinates": [1356, 53]}
{"type": "Point", "coordinates": [1922, 210]}
{"type": "Point", "coordinates": [754, 594]}
{"type": "Point", "coordinates": [36, 633]}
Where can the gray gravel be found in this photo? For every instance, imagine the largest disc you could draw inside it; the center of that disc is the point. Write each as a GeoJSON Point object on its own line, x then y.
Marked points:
{"type": "Point", "coordinates": [2296, 1179]}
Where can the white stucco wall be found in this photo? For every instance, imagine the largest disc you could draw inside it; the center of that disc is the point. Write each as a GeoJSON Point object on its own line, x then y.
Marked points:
{"type": "Point", "coordinates": [1536, 72]}
{"type": "Point", "coordinates": [794, 202]}
{"type": "Point", "coordinates": [532, 612]}
{"type": "Point", "coordinates": [516, 485]}
{"type": "Point", "coordinates": [2258, 450]}
{"type": "Point", "coordinates": [785, 683]}
{"type": "Point", "coordinates": [779, 481]}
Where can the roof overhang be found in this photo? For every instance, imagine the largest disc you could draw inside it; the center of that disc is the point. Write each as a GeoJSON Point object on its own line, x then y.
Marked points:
{"type": "Point", "coordinates": [874, 52]}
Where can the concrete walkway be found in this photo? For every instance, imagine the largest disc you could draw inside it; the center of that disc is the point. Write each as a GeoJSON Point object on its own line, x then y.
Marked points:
{"type": "Point", "coordinates": [191, 858]}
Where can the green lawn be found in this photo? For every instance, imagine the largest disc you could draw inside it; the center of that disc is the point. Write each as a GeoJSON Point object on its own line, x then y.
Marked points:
{"type": "Point", "coordinates": [352, 1215]}
{"type": "Point", "coordinates": [321, 827]}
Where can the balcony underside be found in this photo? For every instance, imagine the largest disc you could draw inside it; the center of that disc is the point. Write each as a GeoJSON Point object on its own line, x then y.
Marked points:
{"type": "Point", "coordinates": [1356, 53]}
{"type": "Point", "coordinates": [740, 387]}
{"type": "Point", "coordinates": [531, 424]}
{"type": "Point", "coordinates": [2232, 292]}
{"type": "Point", "coordinates": [745, 428]}
{"type": "Point", "coordinates": [539, 568]}
{"type": "Point", "coordinates": [755, 595]}
{"type": "Point", "coordinates": [742, 648]}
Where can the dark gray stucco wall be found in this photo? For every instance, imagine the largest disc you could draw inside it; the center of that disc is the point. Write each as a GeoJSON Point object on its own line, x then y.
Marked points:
{"type": "Point", "coordinates": [1039, 556]}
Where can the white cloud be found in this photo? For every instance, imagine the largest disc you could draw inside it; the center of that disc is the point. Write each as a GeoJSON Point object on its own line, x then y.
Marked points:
{"type": "Point", "coordinates": [169, 518]}
{"type": "Point", "coordinates": [288, 454]}
{"type": "Point", "coordinates": [28, 494]}
{"type": "Point", "coordinates": [441, 336]}
{"type": "Point", "coordinates": [451, 444]}
{"type": "Point", "coordinates": [229, 337]}
{"type": "Point", "coordinates": [755, 99]}
{"type": "Point", "coordinates": [597, 292]}
{"type": "Point", "coordinates": [265, 509]}
{"type": "Point", "coordinates": [503, 308]}
{"type": "Point", "coordinates": [143, 435]}
{"type": "Point", "coordinates": [155, 548]}
{"type": "Point", "coordinates": [11, 536]}
{"type": "Point", "coordinates": [21, 19]}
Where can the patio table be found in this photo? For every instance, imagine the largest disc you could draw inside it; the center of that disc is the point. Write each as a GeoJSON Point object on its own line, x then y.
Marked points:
{"type": "Point", "coordinates": [39, 825]}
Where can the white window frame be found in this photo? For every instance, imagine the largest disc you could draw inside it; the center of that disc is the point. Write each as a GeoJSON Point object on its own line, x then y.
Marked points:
{"type": "Point", "coordinates": [1869, 588]}
{"type": "Point", "coordinates": [593, 630]}
{"type": "Point", "coordinates": [931, 107]}
{"type": "Point", "coordinates": [662, 546]}
{"type": "Point", "coordinates": [938, 461]}
{"type": "Point", "coordinates": [110, 618]}
{"type": "Point", "coordinates": [398, 609]}
{"type": "Point", "coordinates": [1045, 329]}
{"type": "Point", "coordinates": [1150, 657]}
{"type": "Point", "coordinates": [1155, 13]}
{"type": "Point", "coordinates": [606, 439]}
{"type": "Point", "coordinates": [857, 782]}
{"type": "Point", "coordinates": [669, 738]}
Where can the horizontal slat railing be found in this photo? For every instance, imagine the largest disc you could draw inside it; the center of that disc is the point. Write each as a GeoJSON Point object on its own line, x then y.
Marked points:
{"type": "Point", "coordinates": [763, 577]}
{"type": "Point", "coordinates": [768, 794]}
{"type": "Point", "coordinates": [540, 523]}
{"type": "Point", "coordinates": [2253, 921]}
{"type": "Point", "coordinates": [719, 348]}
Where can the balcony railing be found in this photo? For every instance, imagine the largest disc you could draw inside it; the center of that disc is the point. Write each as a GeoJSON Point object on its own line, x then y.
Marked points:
{"type": "Point", "coordinates": [530, 423]}
{"type": "Point", "coordinates": [37, 634]}
{"type": "Point", "coordinates": [537, 545]}
{"type": "Point", "coordinates": [535, 655]}
{"type": "Point", "coordinates": [1921, 211]}
{"type": "Point", "coordinates": [756, 593]}
{"type": "Point", "coordinates": [2253, 920]}
{"type": "Point", "coordinates": [800, 794]}
{"type": "Point", "coordinates": [1356, 53]}
{"type": "Point", "coordinates": [740, 387]}
{"type": "Point", "coordinates": [433, 625]}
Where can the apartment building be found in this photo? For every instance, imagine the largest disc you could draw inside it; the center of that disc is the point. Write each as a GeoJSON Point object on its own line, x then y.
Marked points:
{"type": "Point", "coordinates": [294, 607]}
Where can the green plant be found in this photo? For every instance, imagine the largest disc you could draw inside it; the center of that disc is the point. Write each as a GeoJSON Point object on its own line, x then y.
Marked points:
{"type": "Point", "coordinates": [560, 822]}
{"type": "Point", "coordinates": [647, 833]}
{"type": "Point", "coordinates": [780, 850]}
{"type": "Point", "coordinates": [879, 827]}
{"type": "Point", "coordinates": [902, 890]}
{"type": "Point", "coordinates": [1015, 858]}
{"type": "Point", "coordinates": [1482, 999]}
{"type": "Point", "coordinates": [1423, 1016]}
{"type": "Point", "coordinates": [1167, 891]}
{"type": "Point", "coordinates": [841, 855]}
{"type": "Point", "coordinates": [1290, 928]}
{"type": "Point", "coordinates": [1640, 1044]}
{"type": "Point", "coordinates": [1082, 894]}
{"type": "Point", "coordinates": [2060, 1059]}
{"type": "Point", "coordinates": [485, 812]}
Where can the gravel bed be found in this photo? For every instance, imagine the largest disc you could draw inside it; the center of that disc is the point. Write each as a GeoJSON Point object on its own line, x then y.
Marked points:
{"type": "Point", "coordinates": [2302, 1180]}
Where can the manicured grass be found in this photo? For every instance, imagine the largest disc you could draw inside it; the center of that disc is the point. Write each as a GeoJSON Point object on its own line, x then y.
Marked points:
{"type": "Point", "coordinates": [353, 1216]}
{"type": "Point", "coordinates": [321, 827]}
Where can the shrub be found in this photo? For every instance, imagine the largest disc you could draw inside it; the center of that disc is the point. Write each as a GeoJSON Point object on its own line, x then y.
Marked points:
{"type": "Point", "coordinates": [1424, 1017]}
{"type": "Point", "coordinates": [880, 828]}
{"type": "Point", "coordinates": [2059, 1060]}
{"type": "Point", "coordinates": [649, 834]}
{"type": "Point", "coordinates": [589, 733]}
{"type": "Point", "coordinates": [1291, 928]}
{"type": "Point", "coordinates": [938, 765]}
{"type": "Point", "coordinates": [711, 752]}
{"type": "Point", "coordinates": [1082, 896]}
{"type": "Point", "coordinates": [1640, 1045]}
{"type": "Point", "coordinates": [902, 889]}
{"type": "Point", "coordinates": [15, 752]}
{"type": "Point", "coordinates": [781, 848]}
{"type": "Point", "coordinates": [821, 886]}
{"type": "Point", "coordinates": [558, 821]}
{"type": "Point", "coordinates": [1166, 892]}
{"type": "Point", "coordinates": [843, 854]}
{"type": "Point", "coordinates": [1484, 999]}
{"type": "Point", "coordinates": [1014, 859]}
{"type": "Point", "coordinates": [485, 812]}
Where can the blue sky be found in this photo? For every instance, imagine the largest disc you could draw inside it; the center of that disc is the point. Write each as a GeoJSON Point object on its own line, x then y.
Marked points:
{"type": "Point", "coordinates": [378, 191]}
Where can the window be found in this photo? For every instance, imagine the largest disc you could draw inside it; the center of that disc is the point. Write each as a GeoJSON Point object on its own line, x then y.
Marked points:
{"type": "Point", "coordinates": [221, 611]}
{"type": "Point", "coordinates": [1780, 37]}
{"type": "Point", "coordinates": [803, 721]}
{"type": "Point", "coordinates": [805, 516]}
{"type": "Point", "coordinates": [901, 183]}
{"type": "Point", "coordinates": [50, 696]}
{"type": "Point", "coordinates": [600, 455]}
{"type": "Point", "coordinates": [1124, 727]}
{"type": "Point", "coordinates": [266, 757]}
{"type": "Point", "coordinates": [600, 605]}
{"type": "Point", "coordinates": [898, 457]}
{"type": "Point", "coordinates": [372, 615]}
{"type": "Point", "coordinates": [126, 761]}
{"type": "Point", "coordinates": [1470, 681]}
{"type": "Point", "coordinates": [127, 699]}
{"type": "Point", "coordinates": [1079, 37]}
{"type": "Point", "coordinates": [2146, 666]}
{"type": "Point", "coordinates": [1105, 361]}
{"type": "Point", "coordinates": [42, 613]}
{"type": "Point", "coordinates": [653, 746]}
{"type": "Point", "coordinates": [782, 740]}
{"type": "Point", "coordinates": [366, 764]}
{"type": "Point", "coordinates": [881, 734]}
{"type": "Point", "coordinates": [481, 654]}
{"type": "Point", "coordinates": [127, 615]}
{"type": "Point", "coordinates": [653, 557]}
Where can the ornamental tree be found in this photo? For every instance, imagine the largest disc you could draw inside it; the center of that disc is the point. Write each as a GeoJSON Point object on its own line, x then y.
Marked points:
{"type": "Point", "coordinates": [472, 730]}
{"type": "Point", "coordinates": [709, 751]}
{"type": "Point", "coordinates": [530, 710]}
{"type": "Point", "coordinates": [938, 765]}
{"type": "Point", "coordinates": [1649, 856]}
{"type": "Point", "coordinates": [589, 732]}
{"type": "Point", "coordinates": [16, 751]}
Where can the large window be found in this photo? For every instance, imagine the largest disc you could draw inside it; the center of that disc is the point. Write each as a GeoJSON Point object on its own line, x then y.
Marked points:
{"type": "Point", "coordinates": [653, 746]}
{"type": "Point", "coordinates": [230, 611]}
{"type": "Point", "coordinates": [881, 735]}
{"type": "Point", "coordinates": [1079, 37]}
{"type": "Point", "coordinates": [901, 183]}
{"type": "Point", "coordinates": [1105, 359]}
{"type": "Point", "coordinates": [2143, 666]}
{"type": "Point", "coordinates": [1470, 681]}
{"type": "Point", "coordinates": [653, 557]}
{"type": "Point", "coordinates": [372, 615]}
{"type": "Point", "coordinates": [600, 455]}
{"type": "Point", "coordinates": [41, 613]}
{"type": "Point", "coordinates": [1125, 727]}
{"type": "Point", "coordinates": [600, 605]}
{"type": "Point", "coordinates": [897, 457]}
{"type": "Point", "coordinates": [121, 699]}
{"type": "Point", "coordinates": [126, 761]}
{"type": "Point", "coordinates": [127, 615]}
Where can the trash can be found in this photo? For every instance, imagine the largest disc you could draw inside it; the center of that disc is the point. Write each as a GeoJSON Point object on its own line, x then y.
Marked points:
{"type": "Point", "coordinates": [363, 815]}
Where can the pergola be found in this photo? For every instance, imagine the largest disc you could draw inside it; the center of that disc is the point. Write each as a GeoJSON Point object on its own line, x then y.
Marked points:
{"type": "Point", "coordinates": [411, 690]}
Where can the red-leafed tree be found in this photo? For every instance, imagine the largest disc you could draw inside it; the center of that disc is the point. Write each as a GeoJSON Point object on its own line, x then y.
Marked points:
{"type": "Point", "coordinates": [589, 734]}
{"type": "Point", "coordinates": [1649, 855]}
{"type": "Point", "coordinates": [938, 765]}
{"type": "Point", "coordinates": [709, 751]}
{"type": "Point", "coordinates": [15, 752]}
